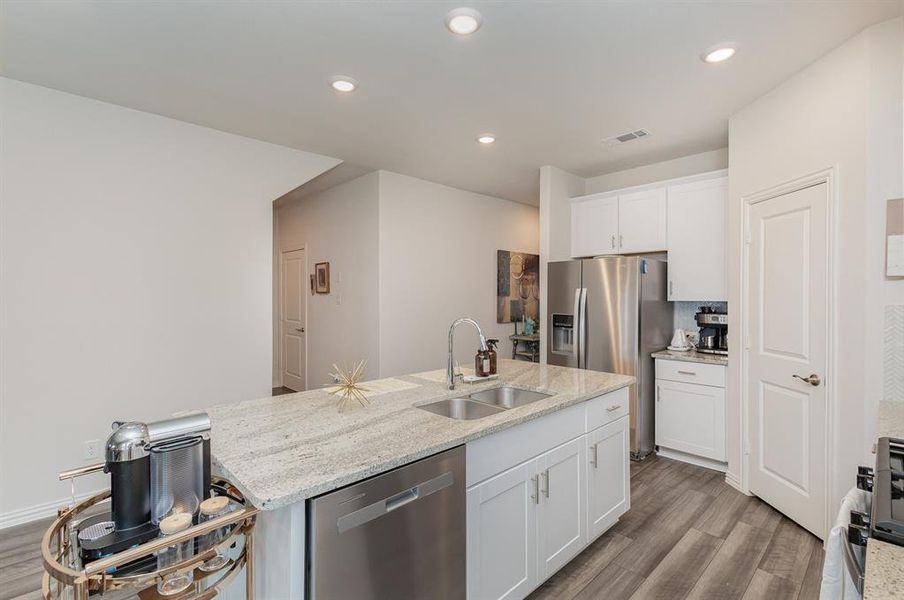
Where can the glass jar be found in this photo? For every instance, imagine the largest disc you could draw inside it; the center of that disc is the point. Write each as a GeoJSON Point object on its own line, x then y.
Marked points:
{"type": "Point", "coordinates": [212, 508]}
{"type": "Point", "coordinates": [173, 583]}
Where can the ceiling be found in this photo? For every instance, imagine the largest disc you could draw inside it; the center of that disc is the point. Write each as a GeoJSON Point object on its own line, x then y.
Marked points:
{"type": "Point", "coordinates": [551, 80]}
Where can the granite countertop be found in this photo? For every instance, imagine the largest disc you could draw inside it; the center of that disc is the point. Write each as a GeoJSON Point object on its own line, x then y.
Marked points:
{"type": "Point", "coordinates": [692, 356]}
{"type": "Point", "coordinates": [884, 561]}
{"type": "Point", "coordinates": [285, 449]}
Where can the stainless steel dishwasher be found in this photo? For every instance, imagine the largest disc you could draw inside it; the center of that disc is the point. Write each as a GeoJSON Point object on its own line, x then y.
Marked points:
{"type": "Point", "coordinates": [396, 536]}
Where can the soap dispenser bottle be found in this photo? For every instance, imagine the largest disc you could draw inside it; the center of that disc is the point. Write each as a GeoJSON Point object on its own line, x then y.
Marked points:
{"type": "Point", "coordinates": [482, 363]}
{"type": "Point", "coordinates": [491, 348]}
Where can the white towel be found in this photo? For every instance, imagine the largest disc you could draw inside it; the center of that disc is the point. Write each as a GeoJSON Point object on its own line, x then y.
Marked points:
{"type": "Point", "coordinates": [836, 582]}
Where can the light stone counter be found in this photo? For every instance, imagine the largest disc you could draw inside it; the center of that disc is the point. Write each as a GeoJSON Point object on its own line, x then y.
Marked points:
{"type": "Point", "coordinates": [692, 356]}
{"type": "Point", "coordinates": [885, 562]}
{"type": "Point", "coordinates": [282, 450]}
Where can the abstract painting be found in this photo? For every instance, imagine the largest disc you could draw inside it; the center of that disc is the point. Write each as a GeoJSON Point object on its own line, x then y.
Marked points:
{"type": "Point", "coordinates": [517, 286]}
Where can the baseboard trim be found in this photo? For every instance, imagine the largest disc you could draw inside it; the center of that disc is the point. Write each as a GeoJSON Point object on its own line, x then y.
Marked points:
{"type": "Point", "coordinates": [39, 511]}
{"type": "Point", "coordinates": [700, 461]}
{"type": "Point", "coordinates": [735, 482]}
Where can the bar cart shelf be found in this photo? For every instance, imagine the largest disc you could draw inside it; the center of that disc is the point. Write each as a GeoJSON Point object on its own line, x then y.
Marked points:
{"type": "Point", "coordinates": [134, 571]}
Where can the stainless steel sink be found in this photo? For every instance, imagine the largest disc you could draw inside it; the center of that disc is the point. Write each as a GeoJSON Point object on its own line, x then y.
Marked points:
{"type": "Point", "coordinates": [483, 404]}
{"type": "Point", "coordinates": [508, 396]}
{"type": "Point", "coordinates": [462, 409]}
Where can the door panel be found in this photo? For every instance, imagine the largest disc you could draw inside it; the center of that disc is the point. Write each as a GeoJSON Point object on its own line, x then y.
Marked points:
{"type": "Point", "coordinates": [562, 517]}
{"type": "Point", "coordinates": [696, 236]}
{"type": "Point", "coordinates": [292, 319]}
{"type": "Point", "coordinates": [594, 226]}
{"type": "Point", "coordinates": [608, 480]}
{"type": "Point", "coordinates": [501, 534]}
{"type": "Point", "coordinates": [787, 296]}
{"type": "Point", "coordinates": [561, 320]}
{"type": "Point", "coordinates": [642, 225]}
{"type": "Point", "coordinates": [691, 418]}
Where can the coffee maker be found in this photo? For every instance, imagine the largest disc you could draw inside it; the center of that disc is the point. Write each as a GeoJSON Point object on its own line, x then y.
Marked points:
{"type": "Point", "coordinates": [713, 331]}
{"type": "Point", "coordinates": [155, 469]}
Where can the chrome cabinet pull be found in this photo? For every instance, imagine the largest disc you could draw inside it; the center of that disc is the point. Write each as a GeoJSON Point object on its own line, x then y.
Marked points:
{"type": "Point", "coordinates": [671, 288]}
{"type": "Point", "coordinates": [657, 393]}
{"type": "Point", "coordinates": [596, 459]}
{"type": "Point", "coordinates": [536, 495]}
{"type": "Point", "coordinates": [612, 408]}
{"type": "Point", "coordinates": [621, 241]}
{"type": "Point", "coordinates": [612, 241]}
{"type": "Point", "coordinates": [545, 475]}
{"type": "Point", "coordinates": [691, 373]}
{"type": "Point", "coordinates": [813, 379]}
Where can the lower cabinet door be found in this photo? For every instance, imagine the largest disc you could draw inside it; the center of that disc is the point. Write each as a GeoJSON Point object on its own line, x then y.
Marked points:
{"type": "Point", "coordinates": [609, 478]}
{"type": "Point", "coordinates": [691, 418]}
{"type": "Point", "coordinates": [501, 533]}
{"type": "Point", "coordinates": [562, 514]}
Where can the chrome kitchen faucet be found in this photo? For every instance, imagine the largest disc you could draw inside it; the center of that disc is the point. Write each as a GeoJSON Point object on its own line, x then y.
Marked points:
{"type": "Point", "coordinates": [450, 369]}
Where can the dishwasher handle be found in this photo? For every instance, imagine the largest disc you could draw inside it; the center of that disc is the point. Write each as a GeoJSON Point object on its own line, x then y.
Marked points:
{"type": "Point", "coordinates": [385, 506]}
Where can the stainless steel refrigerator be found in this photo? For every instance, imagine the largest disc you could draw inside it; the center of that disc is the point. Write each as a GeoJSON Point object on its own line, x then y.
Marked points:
{"type": "Point", "coordinates": [609, 314]}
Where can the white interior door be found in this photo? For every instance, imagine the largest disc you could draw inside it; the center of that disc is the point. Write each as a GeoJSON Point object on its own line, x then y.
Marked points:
{"type": "Point", "coordinates": [292, 319]}
{"type": "Point", "coordinates": [787, 296]}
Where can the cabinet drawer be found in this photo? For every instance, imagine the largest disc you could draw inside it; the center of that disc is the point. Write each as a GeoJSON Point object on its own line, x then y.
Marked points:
{"type": "Point", "coordinates": [607, 408]}
{"type": "Point", "coordinates": [690, 372]}
{"type": "Point", "coordinates": [495, 453]}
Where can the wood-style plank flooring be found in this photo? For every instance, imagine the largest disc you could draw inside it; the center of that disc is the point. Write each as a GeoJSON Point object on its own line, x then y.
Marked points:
{"type": "Point", "coordinates": [691, 535]}
{"type": "Point", "coordinates": [688, 535]}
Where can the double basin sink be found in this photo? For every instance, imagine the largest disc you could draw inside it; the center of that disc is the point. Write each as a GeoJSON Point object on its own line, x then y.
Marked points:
{"type": "Point", "coordinates": [484, 403]}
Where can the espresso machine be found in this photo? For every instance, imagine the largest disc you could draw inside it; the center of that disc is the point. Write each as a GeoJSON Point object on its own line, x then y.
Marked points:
{"type": "Point", "coordinates": [156, 469]}
{"type": "Point", "coordinates": [713, 331]}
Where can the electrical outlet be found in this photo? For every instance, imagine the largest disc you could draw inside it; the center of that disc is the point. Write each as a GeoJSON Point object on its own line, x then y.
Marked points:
{"type": "Point", "coordinates": [91, 450]}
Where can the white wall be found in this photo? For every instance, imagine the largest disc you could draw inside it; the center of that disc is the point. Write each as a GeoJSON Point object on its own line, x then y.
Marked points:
{"type": "Point", "coordinates": [844, 111]}
{"type": "Point", "coordinates": [438, 262]}
{"type": "Point", "coordinates": [339, 226]}
{"type": "Point", "coordinates": [669, 169]}
{"type": "Point", "coordinates": [557, 187]}
{"type": "Point", "coordinates": [135, 260]}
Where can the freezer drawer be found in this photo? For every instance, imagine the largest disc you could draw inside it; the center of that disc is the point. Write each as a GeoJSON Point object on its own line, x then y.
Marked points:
{"type": "Point", "coordinates": [398, 535]}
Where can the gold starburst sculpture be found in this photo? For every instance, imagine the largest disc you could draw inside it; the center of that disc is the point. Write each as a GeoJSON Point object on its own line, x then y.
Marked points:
{"type": "Point", "coordinates": [349, 386]}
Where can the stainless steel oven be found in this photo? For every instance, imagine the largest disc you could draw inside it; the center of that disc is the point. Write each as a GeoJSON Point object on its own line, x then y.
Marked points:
{"type": "Point", "coordinates": [398, 535]}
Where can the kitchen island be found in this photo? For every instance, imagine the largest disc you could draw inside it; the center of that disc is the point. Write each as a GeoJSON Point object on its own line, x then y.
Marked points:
{"type": "Point", "coordinates": [284, 450]}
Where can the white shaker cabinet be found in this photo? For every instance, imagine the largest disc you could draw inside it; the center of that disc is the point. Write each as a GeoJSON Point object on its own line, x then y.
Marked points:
{"type": "Point", "coordinates": [561, 520]}
{"type": "Point", "coordinates": [696, 225]}
{"type": "Point", "coordinates": [690, 412]}
{"type": "Point", "coordinates": [594, 225]}
{"type": "Point", "coordinates": [642, 221]}
{"type": "Point", "coordinates": [619, 222]}
{"type": "Point", "coordinates": [501, 534]}
{"type": "Point", "coordinates": [609, 477]}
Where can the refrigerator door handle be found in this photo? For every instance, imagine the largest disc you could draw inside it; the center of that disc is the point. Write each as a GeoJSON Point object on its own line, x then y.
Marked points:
{"type": "Point", "coordinates": [576, 330]}
{"type": "Point", "coordinates": [582, 330]}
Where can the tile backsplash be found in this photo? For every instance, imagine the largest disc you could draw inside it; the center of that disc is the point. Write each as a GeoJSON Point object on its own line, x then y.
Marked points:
{"type": "Point", "coordinates": [684, 313]}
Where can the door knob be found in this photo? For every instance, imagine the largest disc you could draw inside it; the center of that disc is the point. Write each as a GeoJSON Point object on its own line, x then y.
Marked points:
{"type": "Point", "coordinates": [813, 379]}
{"type": "Point", "coordinates": [299, 329]}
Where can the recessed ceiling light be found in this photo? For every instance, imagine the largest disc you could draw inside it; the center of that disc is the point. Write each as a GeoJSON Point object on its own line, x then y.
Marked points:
{"type": "Point", "coordinates": [718, 54]}
{"type": "Point", "coordinates": [463, 21]}
{"type": "Point", "coordinates": [486, 138]}
{"type": "Point", "coordinates": [343, 84]}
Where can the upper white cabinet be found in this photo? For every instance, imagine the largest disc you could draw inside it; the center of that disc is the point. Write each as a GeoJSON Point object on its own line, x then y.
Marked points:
{"type": "Point", "coordinates": [642, 221]}
{"type": "Point", "coordinates": [696, 230]}
{"type": "Point", "coordinates": [619, 223]}
{"type": "Point", "coordinates": [594, 225]}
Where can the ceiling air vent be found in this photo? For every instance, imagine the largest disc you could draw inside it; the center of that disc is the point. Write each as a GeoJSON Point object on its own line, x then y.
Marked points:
{"type": "Point", "coordinates": [626, 137]}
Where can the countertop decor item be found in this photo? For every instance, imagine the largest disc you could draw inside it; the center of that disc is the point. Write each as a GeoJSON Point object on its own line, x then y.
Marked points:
{"type": "Point", "coordinates": [349, 385]}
